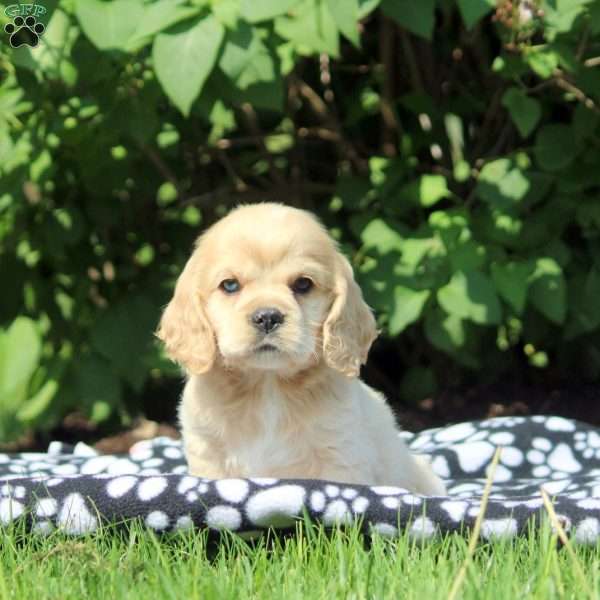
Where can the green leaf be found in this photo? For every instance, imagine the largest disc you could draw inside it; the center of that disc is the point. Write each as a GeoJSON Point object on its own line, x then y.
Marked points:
{"type": "Point", "coordinates": [378, 234]}
{"type": "Point", "coordinates": [124, 334]}
{"type": "Point", "coordinates": [453, 226]}
{"type": "Point", "coordinates": [367, 6]}
{"type": "Point", "coordinates": [559, 251]}
{"type": "Point", "coordinates": [502, 185]}
{"type": "Point", "coordinates": [227, 12]}
{"type": "Point", "coordinates": [446, 332]}
{"type": "Point", "coordinates": [311, 29]}
{"type": "Point", "coordinates": [40, 167]}
{"type": "Point", "coordinates": [594, 10]}
{"type": "Point", "coordinates": [98, 387]}
{"type": "Point", "coordinates": [345, 15]}
{"type": "Point", "coordinates": [583, 304]}
{"type": "Point", "coordinates": [414, 250]}
{"type": "Point", "coordinates": [386, 174]}
{"type": "Point", "coordinates": [67, 223]}
{"type": "Point", "coordinates": [432, 188]}
{"type": "Point", "coordinates": [471, 295]}
{"type": "Point", "coordinates": [427, 190]}
{"type": "Point", "coordinates": [167, 138]}
{"type": "Point", "coordinates": [279, 143]}
{"type": "Point", "coordinates": [472, 10]}
{"type": "Point", "coordinates": [109, 25]}
{"type": "Point", "coordinates": [222, 119]}
{"type": "Point", "coordinates": [13, 269]}
{"type": "Point", "coordinates": [416, 16]}
{"type": "Point", "coordinates": [100, 411]}
{"type": "Point", "coordinates": [35, 406]}
{"type": "Point", "coordinates": [451, 335]}
{"type": "Point", "coordinates": [567, 56]}
{"type": "Point", "coordinates": [20, 351]}
{"type": "Point", "coordinates": [509, 67]}
{"type": "Point", "coordinates": [501, 228]}
{"type": "Point", "coordinates": [183, 58]}
{"type": "Point", "coordinates": [548, 290]}
{"type": "Point", "coordinates": [145, 255]}
{"type": "Point", "coordinates": [239, 48]}
{"type": "Point", "coordinates": [466, 256]}
{"type": "Point", "coordinates": [555, 147]}
{"type": "Point", "coordinates": [542, 60]}
{"type": "Point", "coordinates": [408, 306]}
{"type": "Point", "coordinates": [158, 17]}
{"type": "Point", "coordinates": [377, 283]}
{"type": "Point", "coordinates": [525, 112]}
{"type": "Point", "coordinates": [191, 216]}
{"type": "Point", "coordinates": [264, 94]}
{"type": "Point", "coordinates": [585, 122]}
{"type": "Point", "coordinates": [512, 282]}
{"type": "Point", "coordinates": [353, 192]}
{"type": "Point", "coordinates": [560, 17]}
{"type": "Point", "coordinates": [245, 58]}
{"type": "Point", "coordinates": [254, 11]}
{"type": "Point", "coordinates": [166, 194]}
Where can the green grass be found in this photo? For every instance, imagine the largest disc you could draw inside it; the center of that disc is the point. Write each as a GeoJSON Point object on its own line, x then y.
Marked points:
{"type": "Point", "coordinates": [134, 563]}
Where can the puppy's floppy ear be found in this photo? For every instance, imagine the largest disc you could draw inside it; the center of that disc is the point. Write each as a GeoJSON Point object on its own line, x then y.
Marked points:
{"type": "Point", "coordinates": [349, 329]}
{"type": "Point", "coordinates": [184, 328]}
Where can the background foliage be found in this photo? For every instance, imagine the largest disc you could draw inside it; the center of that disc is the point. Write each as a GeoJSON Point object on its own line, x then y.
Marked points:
{"type": "Point", "coordinates": [451, 145]}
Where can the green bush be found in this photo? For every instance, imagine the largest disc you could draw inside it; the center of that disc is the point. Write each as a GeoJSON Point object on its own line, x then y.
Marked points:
{"type": "Point", "coordinates": [451, 146]}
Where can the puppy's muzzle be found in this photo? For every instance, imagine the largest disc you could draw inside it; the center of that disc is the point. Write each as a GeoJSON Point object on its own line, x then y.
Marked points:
{"type": "Point", "coordinates": [267, 320]}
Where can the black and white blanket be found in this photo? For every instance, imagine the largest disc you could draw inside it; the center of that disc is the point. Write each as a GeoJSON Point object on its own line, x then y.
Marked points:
{"type": "Point", "coordinates": [76, 489]}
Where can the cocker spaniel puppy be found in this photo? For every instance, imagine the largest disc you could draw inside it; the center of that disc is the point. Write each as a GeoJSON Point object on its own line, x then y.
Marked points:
{"type": "Point", "coordinates": [272, 329]}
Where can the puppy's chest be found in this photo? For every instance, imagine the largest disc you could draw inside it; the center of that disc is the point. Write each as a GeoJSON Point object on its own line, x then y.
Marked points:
{"type": "Point", "coordinates": [273, 436]}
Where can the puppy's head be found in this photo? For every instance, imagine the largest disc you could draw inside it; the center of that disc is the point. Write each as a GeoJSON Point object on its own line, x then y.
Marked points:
{"type": "Point", "coordinates": [267, 289]}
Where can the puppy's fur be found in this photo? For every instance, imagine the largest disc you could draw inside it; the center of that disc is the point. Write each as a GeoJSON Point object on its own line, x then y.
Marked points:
{"type": "Point", "coordinates": [286, 402]}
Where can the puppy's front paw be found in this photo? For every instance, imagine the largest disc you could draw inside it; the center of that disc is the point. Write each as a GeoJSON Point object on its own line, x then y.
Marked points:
{"type": "Point", "coordinates": [428, 483]}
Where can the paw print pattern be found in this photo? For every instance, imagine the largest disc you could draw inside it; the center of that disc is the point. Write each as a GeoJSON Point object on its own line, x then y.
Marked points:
{"type": "Point", "coordinates": [73, 487]}
{"type": "Point", "coordinates": [588, 443]}
{"type": "Point", "coordinates": [24, 32]}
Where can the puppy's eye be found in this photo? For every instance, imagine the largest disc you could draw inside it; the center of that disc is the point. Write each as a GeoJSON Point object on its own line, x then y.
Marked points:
{"type": "Point", "coordinates": [230, 286]}
{"type": "Point", "coordinates": [302, 285]}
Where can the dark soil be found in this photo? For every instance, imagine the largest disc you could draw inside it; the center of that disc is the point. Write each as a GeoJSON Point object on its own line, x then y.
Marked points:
{"type": "Point", "coordinates": [581, 401]}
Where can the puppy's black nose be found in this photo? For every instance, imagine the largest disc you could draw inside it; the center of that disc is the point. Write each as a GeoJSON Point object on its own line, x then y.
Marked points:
{"type": "Point", "coordinates": [267, 319]}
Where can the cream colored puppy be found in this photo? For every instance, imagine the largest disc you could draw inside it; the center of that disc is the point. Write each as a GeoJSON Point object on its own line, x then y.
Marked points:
{"type": "Point", "coordinates": [272, 329]}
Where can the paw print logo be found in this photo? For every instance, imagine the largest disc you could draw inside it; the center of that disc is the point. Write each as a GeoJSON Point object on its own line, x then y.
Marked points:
{"type": "Point", "coordinates": [24, 32]}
